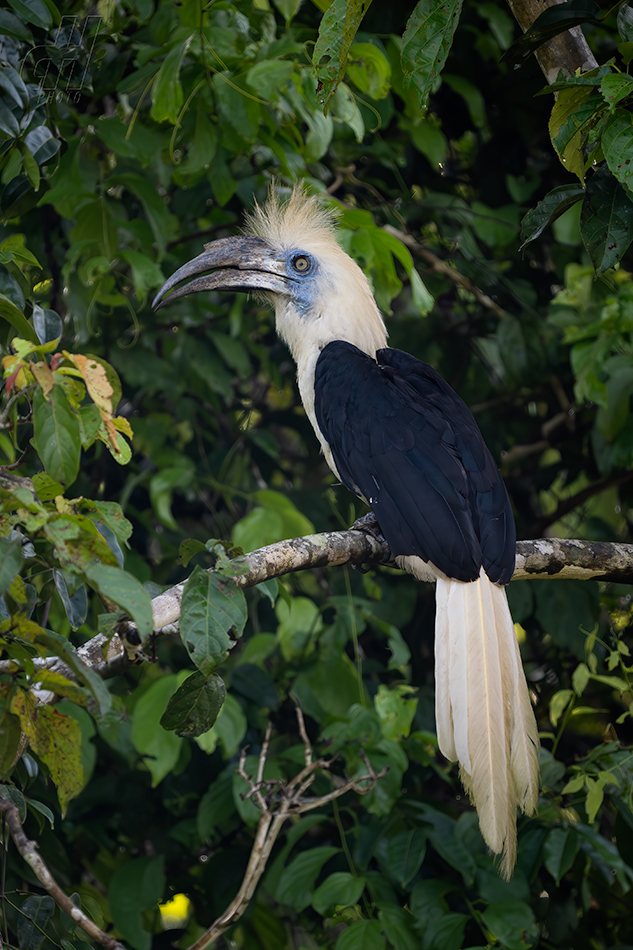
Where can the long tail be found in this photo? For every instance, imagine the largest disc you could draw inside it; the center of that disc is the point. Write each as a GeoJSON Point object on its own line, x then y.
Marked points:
{"type": "Point", "coordinates": [484, 715]}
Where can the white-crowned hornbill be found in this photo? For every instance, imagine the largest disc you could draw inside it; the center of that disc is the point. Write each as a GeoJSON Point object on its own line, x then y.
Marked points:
{"type": "Point", "coordinates": [396, 434]}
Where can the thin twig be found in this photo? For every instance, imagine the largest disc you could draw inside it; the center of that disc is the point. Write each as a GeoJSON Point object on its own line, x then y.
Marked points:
{"type": "Point", "coordinates": [441, 267]}
{"type": "Point", "coordinates": [28, 851]}
{"type": "Point", "coordinates": [274, 812]}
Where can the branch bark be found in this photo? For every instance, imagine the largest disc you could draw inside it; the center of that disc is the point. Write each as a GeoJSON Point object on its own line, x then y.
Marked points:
{"type": "Point", "coordinates": [28, 851]}
{"type": "Point", "coordinates": [566, 52]}
{"type": "Point", "coordinates": [542, 559]}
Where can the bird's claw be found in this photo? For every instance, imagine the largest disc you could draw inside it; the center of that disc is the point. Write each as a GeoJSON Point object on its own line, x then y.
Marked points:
{"type": "Point", "coordinates": [368, 524]}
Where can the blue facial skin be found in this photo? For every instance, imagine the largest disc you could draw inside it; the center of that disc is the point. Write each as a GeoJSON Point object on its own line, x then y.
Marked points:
{"type": "Point", "coordinates": [303, 270]}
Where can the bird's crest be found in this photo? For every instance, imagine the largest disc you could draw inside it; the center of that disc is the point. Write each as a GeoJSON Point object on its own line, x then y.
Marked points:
{"type": "Point", "coordinates": [299, 221]}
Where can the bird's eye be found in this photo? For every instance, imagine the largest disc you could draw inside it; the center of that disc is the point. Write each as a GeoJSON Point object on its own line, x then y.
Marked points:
{"type": "Point", "coordinates": [301, 264]}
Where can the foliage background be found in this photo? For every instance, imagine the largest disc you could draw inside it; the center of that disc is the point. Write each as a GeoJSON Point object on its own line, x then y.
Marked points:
{"type": "Point", "coordinates": [132, 133]}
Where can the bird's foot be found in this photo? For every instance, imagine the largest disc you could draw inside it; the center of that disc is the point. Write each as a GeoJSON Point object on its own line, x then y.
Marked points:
{"type": "Point", "coordinates": [368, 524]}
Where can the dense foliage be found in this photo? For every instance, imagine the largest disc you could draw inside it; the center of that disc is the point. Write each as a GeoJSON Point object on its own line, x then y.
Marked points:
{"type": "Point", "coordinates": [132, 133]}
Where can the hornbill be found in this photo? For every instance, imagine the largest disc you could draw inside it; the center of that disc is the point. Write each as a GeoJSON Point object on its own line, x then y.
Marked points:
{"type": "Point", "coordinates": [394, 433]}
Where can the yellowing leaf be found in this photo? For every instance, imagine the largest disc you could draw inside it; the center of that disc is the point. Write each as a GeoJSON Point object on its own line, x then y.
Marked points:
{"type": "Point", "coordinates": [43, 376]}
{"type": "Point", "coordinates": [56, 739]}
{"type": "Point", "coordinates": [96, 380]}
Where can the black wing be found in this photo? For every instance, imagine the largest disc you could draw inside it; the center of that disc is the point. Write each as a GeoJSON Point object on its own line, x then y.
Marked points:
{"type": "Point", "coordinates": [402, 439]}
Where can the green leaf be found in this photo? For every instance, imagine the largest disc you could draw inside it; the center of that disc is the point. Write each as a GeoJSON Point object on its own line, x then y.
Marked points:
{"type": "Point", "coordinates": [159, 748]}
{"type": "Point", "coordinates": [11, 25]}
{"type": "Point", "coordinates": [16, 318]}
{"type": "Point", "coordinates": [296, 884]}
{"type": "Point", "coordinates": [551, 22]}
{"type": "Point", "coordinates": [558, 703]}
{"type": "Point", "coordinates": [340, 889]}
{"type": "Point", "coordinates": [369, 69]}
{"type": "Point", "coordinates": [216, 805]}
{"type": "Point", "coordinates": [625, 22]}
{"type": "Point", "coordinates": [229, 730]}
{"type": "Point", "coordinates": [336, 34]}
{"type": "Point", "coordinates": [550, 208]}
{"type": "Point", "coordinates": [75, 604]}
{"type": "Point", "coordinates": [579, 680]}
{"type": "Point", "coordinates": [615, 87]}
{"type": "Point", "coordinates": [396, 710]}
{"type": "Point", "coordinates": [33, 11]}
{"type": "Point", "coordinates": [512, 923]}
{"type": "Point", "coordinates": [445, 933]}
{"type": "Point", "coordinates": [195, 705]}
{"type": "Point", "coordinates": [13, 85]}
{"type": "Point", "coordinates": [448, 844]}
{"type": "Point", "coordinates": [127, 593]}
{"type": "Point", "coordinates": [160, 218]}
{"type": "Point", "coordinates": [405, 853]}
{"type": "Point", "coordinates": [167, 97]}
{"type": "Point", "coordinates": [136, 887]}
{"type": "Point", "coordinates": [559, 851]}
{"type": "Point", "coordinates": [576, 111]}
{"type": "Point", "coordinates": [606, 221]}
{"type": "Point", "coordinates": [362, 935]}
{"type": "Point", "coordinates": [426, 43]}
{"type": "Point", "coordinates": [10, 561]}
{"type": "Point", "coordinates": [56, 435]}
{"type": "Point", "coordinates": [617, 145]}
{"type": "Point", "coordinates": [397, 926]}
{"type": "Point", "coordinates": [10, 738]}
{"type": "Point", "coordinates": [213, 615]}
{"type": "Point", "coordinates": [35, 914]}
{"type": "Point", "coordinates": [56, 739]}
{"type": "Point", "coordinates": [42, 144]}
{"type": "Point", "coordinates": [56, 645]}
{"type": "Point", "coordinates": [255, 684]}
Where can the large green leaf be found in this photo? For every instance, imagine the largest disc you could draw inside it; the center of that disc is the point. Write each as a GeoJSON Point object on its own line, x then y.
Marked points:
{"type": "Point", "coordinates": [606, 220]}
{"type": "Point", "coordinates": [296, 884]}
{"type": "Point", "coordinates": [136, 887]}
{"type": "Point", "coordinates": [617, 145]}
{"type": "Point", "coordinates": [35, 914]}
{"type": "Point", "coordinates": [340, 889]}
{"type": "Point", "coordinates": [336, 34]}
{"type": "Point", "coordinates": [213, 614]}
{"type": "Point", "coordinates": [426, 43]}
{"type": "Point", "coordinates": [167, 97]}
{"type": "Point", "coordinates": [16, 318]}
{"type": "Point", "coordinates": [56, 435]}
{"type": "Point", "coordinates": [195, 705]}
{"type": "Point", "coordinates": [548, 210]}
{"type": "Point", "coordinates": [126, 591]}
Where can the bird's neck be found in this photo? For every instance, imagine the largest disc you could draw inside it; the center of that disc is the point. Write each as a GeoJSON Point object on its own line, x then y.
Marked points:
{"type": "Point", "coordinates": [307, 332]}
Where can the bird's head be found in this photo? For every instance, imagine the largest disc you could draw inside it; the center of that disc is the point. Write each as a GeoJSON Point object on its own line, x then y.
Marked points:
{"type": "Point", "coordinates": [289, 255]}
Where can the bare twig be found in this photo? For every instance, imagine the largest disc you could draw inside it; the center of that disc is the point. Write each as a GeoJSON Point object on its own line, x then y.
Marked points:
{"type": "Point", "coordinates": [28, 851]}
{"type": "Point", "coordinates": [441, 267]}
{"type": "Point", "coordinates": [276, 804]}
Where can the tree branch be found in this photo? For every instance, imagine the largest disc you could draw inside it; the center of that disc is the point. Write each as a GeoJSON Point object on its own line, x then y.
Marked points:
{"type": "Point", "coordinates": [543, 559]}
{"type": "Point", "coordinates": [566, 52]}
{"type": "Point", "coordinates": [277, 801]}
{"type": "Point", "coordinates": [28, 851]}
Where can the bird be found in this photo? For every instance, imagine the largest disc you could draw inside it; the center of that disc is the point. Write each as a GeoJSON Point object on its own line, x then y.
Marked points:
{"type": "Point", "coordinates": [396, 435]}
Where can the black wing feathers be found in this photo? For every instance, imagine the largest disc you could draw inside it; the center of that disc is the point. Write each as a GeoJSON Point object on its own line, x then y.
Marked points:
{"type": "Point", "coordinates": [402, 439]}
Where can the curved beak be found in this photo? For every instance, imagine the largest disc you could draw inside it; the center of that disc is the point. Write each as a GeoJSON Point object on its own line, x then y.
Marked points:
{"type": "Point", "coordinates": [236, 263]}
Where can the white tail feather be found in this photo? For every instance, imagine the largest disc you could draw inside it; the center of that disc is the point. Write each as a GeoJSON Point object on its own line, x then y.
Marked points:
{"type": "Point", "coordinates": [484, 715]}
